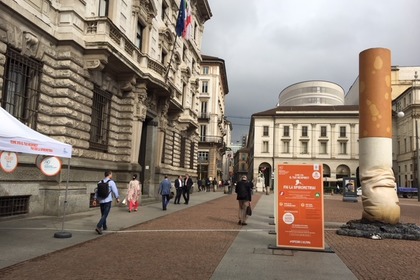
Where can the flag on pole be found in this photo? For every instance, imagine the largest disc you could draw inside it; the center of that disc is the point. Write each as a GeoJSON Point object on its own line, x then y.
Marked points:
{"type": "Point", "coordinates": [188, 21]}
{"type": "Point", "coordinates": [180, 22]}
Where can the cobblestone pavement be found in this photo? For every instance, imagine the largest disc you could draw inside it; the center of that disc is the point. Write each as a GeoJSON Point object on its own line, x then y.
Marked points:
{"type": "Point", "coordinates": [190, 243]}
{"type": "Point", "coordinates": [374, 259]}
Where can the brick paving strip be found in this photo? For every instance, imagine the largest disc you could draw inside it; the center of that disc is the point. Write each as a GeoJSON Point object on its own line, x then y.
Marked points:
{"type": "Point", "coordinates": [188, 244]}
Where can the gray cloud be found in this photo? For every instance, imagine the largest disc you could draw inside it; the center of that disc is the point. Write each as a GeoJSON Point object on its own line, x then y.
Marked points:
{"type": "Point", "coordinates": [268, 45]}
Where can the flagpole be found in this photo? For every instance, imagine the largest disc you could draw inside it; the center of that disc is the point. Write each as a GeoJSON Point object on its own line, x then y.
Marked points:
{"type": "Point", "coordinates": [179, 29]}
{"type": "Point", "coordinates": [170, 60]}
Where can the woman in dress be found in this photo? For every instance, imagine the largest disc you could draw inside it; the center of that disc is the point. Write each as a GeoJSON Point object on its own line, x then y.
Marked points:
{"type": "Point", "coordinates": [133, 194]}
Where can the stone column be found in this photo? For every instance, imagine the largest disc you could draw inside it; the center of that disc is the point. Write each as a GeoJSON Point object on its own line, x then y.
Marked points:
{"type": "Point", "coordinates": [380, 200]}
{"type": "Point", "coordinates": [314, 150]}
{"type": "Point", "coordinates": [140, 109]}
{"type": "Point", "coordinates": [334, 142]}
{"type": "Point", "coordinates": [295, 141]}
{"type": "Point", "coordinates": [353, 141]}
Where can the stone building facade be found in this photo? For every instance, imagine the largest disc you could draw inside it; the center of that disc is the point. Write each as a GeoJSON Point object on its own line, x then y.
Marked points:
{"type": "Point", "coordinates": [310, 125]}
{"type": "Point", "coordinates": [112, 79]}
{"type": "Point", "coordinates": [214, 128]}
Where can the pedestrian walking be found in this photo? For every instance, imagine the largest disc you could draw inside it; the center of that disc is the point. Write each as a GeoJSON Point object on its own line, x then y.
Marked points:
{"type": "Point", "coordinates": [178, 188]}
{"type": "Point", "coordinates": [243, 195]}
{"type": "Point", "coordinates": [215, 184]}
{"type": "Point", "coordinates": [165, 191]}
{"type": "Point", "coordinates": [188, 183]}
{"type": "Point", "coordinates": [200, 185]}
{"type": "Point", "coordinates": [105, 201]}
{"type": "Point", "coordinates": [133, 194]}
{"type": "Point", "coordinates": [208, 183]}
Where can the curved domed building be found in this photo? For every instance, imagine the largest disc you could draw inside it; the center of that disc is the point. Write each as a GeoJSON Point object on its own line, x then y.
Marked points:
{"type": "Point", "coordinates": [310, 93]}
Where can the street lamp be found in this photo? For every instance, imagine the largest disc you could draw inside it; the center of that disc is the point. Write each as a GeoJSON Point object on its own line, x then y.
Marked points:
{"type": "Point", "coordinates": [400, 115]}
{"type": "Point", "coordinates": [418, 160]}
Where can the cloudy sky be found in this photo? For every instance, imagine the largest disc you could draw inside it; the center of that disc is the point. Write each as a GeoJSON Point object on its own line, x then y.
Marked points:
{"type": "Point", "coordinates": [268, 45]}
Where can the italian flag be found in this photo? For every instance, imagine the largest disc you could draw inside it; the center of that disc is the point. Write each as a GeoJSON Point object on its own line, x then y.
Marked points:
{"type": "Point", "coordinates": [188, 21]}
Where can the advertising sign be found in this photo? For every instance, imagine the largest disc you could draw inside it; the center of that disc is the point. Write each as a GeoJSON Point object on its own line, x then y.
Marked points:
{"type": "Point", "coordinates": [50, 166]}
{"type": "Point", "coordinates": [349, 189]}
{"type": "Point", "coordinates": [8, 161]}
{"type": "Point", "coordinates": [300, 209]}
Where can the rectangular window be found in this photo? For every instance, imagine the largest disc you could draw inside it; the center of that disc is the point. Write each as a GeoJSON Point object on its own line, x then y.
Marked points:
{"type": "Point", "coordinates": [173, 141]}
{"type": "Point", "coordinates": [184, 94]}
{"type": "Point", "coordinates": [162, 160]}
{"type": "Point", "coordinates": [265, 146]}
{"type": "Point", "coordinates": [139, 35]}
{"type": "Point", "coordinates": [286, 147]}
{"type": "Point", "coordinates": [203, 132]}
{"type": "Point", "coordinates": [195, 30]}
{"type": "Point", "coordinates": [192, 153]}
{"type": "Point", "coordinates": [265, 130]}
{"type": "Point", "coordinates": [304, 147]}
{"type": "Point", "coordinates": [21, 87]}
{"type": "Point", "coordinates": [163, 57]}
{"type": "Point", "coordinates": [343, 131]}
{"type": "Point", "coordinates": [411, 143]}
{"type": "Point", "coordinates": [304, 131]}
{"type": "Point", "coordinates": [203, 157]}
{"type": "Point", "coordinates": [343, 148]}
{"type": "Point", "coordinates": [204, 110]}
{"type": "Point", "coordinates": [286, 132]}
{"type": "Point", "coordinates": [14, 205]}
{"type": "Point", "coordinates": [205, 87]}
{"type": "Point", "coordinates": [205, 70]}
{"type": "Point", "coordinates": [184, 53]}
{"type": "Point", "coordinates": [323, 148]}
{"type": "Point", "coordinates": [183, 148]}
{"type": "Point", "coordinates": [323, 131]}
{"type": "Point", "coordinates": [99, 126]}
{"type": "Point", "coordinates": [164, 10]}
{"type": "Point", "coordinates": [103, 8]}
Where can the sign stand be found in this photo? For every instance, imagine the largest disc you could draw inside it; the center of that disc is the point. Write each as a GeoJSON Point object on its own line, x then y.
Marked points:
{"type": "Point", "coordinates": [326, 250]}
{"type": "Point", "coordinates": [62, 233]}
{"type": "Point", "coordinates": [300, 208]}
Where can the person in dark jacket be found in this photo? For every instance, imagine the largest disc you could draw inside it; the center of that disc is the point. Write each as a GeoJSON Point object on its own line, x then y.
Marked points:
{"type": "Point", "coordinates": [188, 183]}
{"type": "Point", "coordinates": [164, 191]}
{"type": "Point", "coordinates": [178, 187]}
{"type": "Point", "coordinates": [243, 191]}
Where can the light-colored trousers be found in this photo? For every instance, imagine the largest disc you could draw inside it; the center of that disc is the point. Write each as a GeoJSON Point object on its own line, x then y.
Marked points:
{"type": "Point", "coordinates": [243, 204]}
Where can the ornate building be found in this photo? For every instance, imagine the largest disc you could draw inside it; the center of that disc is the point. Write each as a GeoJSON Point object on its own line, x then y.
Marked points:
{"type": "Point", "coordinates": [214, 128]}
{"type": "Point", "coordinates": [112, 79]}
{"type": "Point", "coordinates": [314, 127]}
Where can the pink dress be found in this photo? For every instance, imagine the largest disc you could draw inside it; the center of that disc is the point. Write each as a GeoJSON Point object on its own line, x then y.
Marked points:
{"type": "Point", "coordinates": [133, 195]}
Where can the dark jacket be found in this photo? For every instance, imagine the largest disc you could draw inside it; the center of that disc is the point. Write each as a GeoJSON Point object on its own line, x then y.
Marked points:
{"type": "Point", "coordinates": [243, 190]}
{"type": "Point", "coordinates": [178, 183]}
{"type": "Point", "coordinates": [188, 182]}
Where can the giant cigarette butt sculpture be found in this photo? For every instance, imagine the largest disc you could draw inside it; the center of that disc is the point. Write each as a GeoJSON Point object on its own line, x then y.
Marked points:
{"type": "Point", "coordinates": [380, 201]}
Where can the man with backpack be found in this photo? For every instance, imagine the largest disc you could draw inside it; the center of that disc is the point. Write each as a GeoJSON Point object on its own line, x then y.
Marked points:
{"type": "Point", "coordinates": [103, 194]}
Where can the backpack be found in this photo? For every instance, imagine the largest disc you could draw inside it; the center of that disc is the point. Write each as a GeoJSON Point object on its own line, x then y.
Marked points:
{"type": "Point", "coordinates": [103, 189]}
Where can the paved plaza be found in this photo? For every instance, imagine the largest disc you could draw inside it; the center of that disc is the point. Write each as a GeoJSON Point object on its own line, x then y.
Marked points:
{"type": "Point", "coordinates": [199, 241]}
